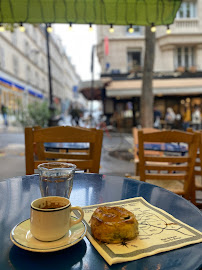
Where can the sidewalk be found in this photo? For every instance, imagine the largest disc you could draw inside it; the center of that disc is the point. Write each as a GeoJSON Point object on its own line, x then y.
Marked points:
{"type": "Point", "coordinates": [12, 125]}
{"type": "Point", "coordinates": [10, 129]}
{"type": "Point", "coordinates": [110, 162]}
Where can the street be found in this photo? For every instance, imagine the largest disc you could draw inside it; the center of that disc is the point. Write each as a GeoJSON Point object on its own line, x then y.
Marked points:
{"type": "Point", "coordinates": [12, 162]}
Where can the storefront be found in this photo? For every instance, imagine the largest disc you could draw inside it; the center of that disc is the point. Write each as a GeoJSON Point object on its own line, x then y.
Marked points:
{"type": "Point", "coordinates": [124, 97]}
{"type": "Point", "coordinates": [121, 98]}
{"type": "Point", "coordinates": [13, 95]}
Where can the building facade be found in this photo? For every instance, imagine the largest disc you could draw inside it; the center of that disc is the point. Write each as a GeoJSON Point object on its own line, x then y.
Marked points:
{"type": "Point", "coordinates": [178, 55]}
{"type": "Point", "coordinates": [24, 69]}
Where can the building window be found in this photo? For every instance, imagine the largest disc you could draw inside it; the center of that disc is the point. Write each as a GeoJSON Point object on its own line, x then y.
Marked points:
{"type": "Point", "coordinates": [134, 61]}
{"type": "Point", "coordinates": [15, 65]}
{"type": "Point", "coordinates": [28, 74]}
{"type": "Point", "coordinates": [27, 26]}
{"type": "Point", "coordinates": [36, 57]}
{"type": "Point", "coordinates": [14, 37]}
{"type": "Point", "coordinates": [36, 79]}
{"type": "Point", "coordinates": [35, 34]}
{"type": "Point", "coordinates": [26, 48]}
{"type": "Point", "coordinates": [187, 10]}
{"type": "Point", "coordinates": [2, 58]}
{"type": "Point", "coordinates": [137, 30]}
{"type": "Point", "coordinates": [42, 63]}
{"type": "Point", "coordinates": [179, 57]}
{"type": "Point", "coordinates": [115, 71]}
{"type": "Point", "coordinates": [43, 84]}
{"type": "Point", "coordinates": [185, 57]}
{"type": "Point", "coordinates": [39, 82]}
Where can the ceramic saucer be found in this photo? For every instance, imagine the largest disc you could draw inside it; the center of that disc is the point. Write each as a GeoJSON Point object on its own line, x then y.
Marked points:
{"type": "Point", "coordinates": [22, 237]}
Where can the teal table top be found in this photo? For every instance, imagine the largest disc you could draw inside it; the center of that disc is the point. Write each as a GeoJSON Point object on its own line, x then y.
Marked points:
{"type": "Point", "coordinates": [17, 193]}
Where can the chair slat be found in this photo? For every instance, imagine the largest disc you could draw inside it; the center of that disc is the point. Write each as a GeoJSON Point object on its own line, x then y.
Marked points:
{"type": "Point", "coordinates": [81, 164]}
{"type": "Point", "coordinates": [56, 155]}
{"type": "Point", "coordinates": [165, 176]}
{"type": "Point", "coordinates": [165, 137]}
{"type": "Point", "coordinates": [198, 172]}
{"type": "Point", "coordinates": [168, 168]}
{"type": "Point", "coordinates": [167, 159]}
{"type": "Point", "coordinates": [198, 163]}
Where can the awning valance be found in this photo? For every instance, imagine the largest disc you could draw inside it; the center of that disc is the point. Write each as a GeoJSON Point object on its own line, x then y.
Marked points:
{"type": "Point", "coordinates": [101, 12]}
{"type": "Point", "coordinates": [161, 87]}
{"type": "Point", "coordinates": [11, 84]}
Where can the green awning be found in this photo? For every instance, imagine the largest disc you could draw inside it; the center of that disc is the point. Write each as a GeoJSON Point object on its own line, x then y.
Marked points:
{"type": "Point", "coordinates": [100, 12]}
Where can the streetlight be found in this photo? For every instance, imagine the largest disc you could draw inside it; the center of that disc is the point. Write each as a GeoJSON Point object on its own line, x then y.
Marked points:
{"type": "Point", "coordinates": [51, 105]}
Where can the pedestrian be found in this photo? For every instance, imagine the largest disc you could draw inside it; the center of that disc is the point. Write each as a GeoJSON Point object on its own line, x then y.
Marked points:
{"type": "Point", "coordinates": [187, 117]}
{"type": "Point", "coordinates": [196, 118]}
{"type": "Point", "coordinates": [170, 117]}
{"type": "Point", "coordinates": [4, 113]}
{"type": "Point", "coordinates": [157, 118]}
{"type": "Point", "coordinates": [75, 114]}
{"type": "Point", "coordinates": [178, 122]}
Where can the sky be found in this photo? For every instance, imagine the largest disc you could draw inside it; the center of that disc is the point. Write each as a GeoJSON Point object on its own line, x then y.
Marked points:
{"type": "Point", "coordinates": [78, 44]}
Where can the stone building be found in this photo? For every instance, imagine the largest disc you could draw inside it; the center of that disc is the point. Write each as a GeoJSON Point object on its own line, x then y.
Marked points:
{"type": "Point", "coordinates": [24, 69]}
{"type": "Point", "coordinates": [177, 67]}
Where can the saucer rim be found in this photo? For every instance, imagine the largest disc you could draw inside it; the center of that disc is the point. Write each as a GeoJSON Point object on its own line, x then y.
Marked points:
{"type": "Point", "coordinates": [49, 249]}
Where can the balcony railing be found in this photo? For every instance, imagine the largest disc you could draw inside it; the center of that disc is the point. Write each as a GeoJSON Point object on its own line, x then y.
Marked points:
{"type": "Point", "coordinates": [186, 24]}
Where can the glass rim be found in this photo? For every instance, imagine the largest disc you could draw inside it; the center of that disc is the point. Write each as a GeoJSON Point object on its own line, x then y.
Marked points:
{"type": "Point", "coordinates": [56, 166]}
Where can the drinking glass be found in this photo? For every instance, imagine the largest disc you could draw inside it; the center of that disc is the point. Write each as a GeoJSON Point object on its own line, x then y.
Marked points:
{"type": "Point", "coordinates": [56, 178]}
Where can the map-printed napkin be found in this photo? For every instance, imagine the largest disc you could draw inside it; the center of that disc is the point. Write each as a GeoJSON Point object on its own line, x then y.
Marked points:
{"type": "Point", "coordinates": [158, 232]}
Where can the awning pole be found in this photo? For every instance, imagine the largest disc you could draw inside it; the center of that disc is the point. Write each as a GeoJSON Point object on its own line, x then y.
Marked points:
{"type": "Point", "coordinates": [92, 85]}
{"type": "Point", "coordinates": [49, 69]}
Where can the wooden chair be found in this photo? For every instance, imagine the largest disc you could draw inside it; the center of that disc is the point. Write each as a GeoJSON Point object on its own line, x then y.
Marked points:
{"type": "Point", "coordinates": [197, 170]}
{"type": "Point", "coordinates": [174, 173]}
{"type": "Point", "coordinates": [135, 147]}
{"type": "Point", "coordinates": [36, 154]}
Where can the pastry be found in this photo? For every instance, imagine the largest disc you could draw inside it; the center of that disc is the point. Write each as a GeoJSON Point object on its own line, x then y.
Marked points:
{"type": "Point", "coordinates": [113, 224]}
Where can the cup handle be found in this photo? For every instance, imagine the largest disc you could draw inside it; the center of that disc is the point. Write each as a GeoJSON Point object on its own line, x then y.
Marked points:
{"type": "Point", "coordinates": [73, 222]}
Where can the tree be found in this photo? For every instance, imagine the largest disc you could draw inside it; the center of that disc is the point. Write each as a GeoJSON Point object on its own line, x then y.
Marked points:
{"type": "Point", "coordinates": [147, 99]}
{"type": "Point", "coordinates": [36, 114]}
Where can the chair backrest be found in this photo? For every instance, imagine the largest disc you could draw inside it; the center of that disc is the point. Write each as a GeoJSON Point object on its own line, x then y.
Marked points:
{"type": "Point", "coordinates": [198, 163]}
{"type": "Point", "coordinates": [35, 152]}
{"type": "Point", "coordinates": [169, 167]}
{"type": "Point", "coordinates": [135, 141]}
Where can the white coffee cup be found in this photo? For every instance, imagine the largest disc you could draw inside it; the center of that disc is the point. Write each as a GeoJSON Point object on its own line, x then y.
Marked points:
{"type": "Point", "coordinates": [50, 217]}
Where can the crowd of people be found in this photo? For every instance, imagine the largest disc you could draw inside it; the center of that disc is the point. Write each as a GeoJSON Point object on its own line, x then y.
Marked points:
{"type": "Point", "coordinates": [182, 121]}
{"type": "Point", "coordinates": [189, 117]}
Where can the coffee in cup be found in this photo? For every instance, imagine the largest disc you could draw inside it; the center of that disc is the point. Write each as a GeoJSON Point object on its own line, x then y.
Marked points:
{"type": "Point", "coordinates": [50, 218]}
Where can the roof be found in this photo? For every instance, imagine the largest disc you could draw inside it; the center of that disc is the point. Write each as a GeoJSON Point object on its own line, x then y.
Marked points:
{"type": "Point", "coordinates": [129, 88]}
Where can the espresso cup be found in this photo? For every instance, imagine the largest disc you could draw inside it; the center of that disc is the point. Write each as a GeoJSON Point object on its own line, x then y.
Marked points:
{"type": "Point", "coordinates": [50, 218]}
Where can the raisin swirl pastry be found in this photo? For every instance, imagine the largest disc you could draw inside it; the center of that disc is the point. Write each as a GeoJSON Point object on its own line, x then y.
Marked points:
{"type": "Point", "coordinates": [113, 224]}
